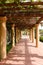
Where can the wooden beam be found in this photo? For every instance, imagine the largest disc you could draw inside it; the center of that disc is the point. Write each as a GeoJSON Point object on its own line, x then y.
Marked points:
{"type": "Point", "coordinates": [39, 20]}
{"type": "Point", "coordinates": [18, 8]}
{"type": "Point", "coordinates": [25, 3]}
{"type": "Point", "coordinates": [31, 13]}
{"type": "Point", "coordinates": [22, 15]}
{"type": "Point", "coordinates": [32, 3]}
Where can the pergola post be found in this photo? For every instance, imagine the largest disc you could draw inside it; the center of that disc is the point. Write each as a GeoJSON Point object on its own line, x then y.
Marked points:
{"type": "Point", "coordinates": [16, 34]}
{"type": "Point", "coordinates": [32, 35]}
{"type": "Point", "coordinates": [13, 35]}
{"type": "Point", "coordinates": [3, 37]}
{"type": "Point", "coordinates": [37, 34]}
{"type": "Point", "coordinates": [19, 34]}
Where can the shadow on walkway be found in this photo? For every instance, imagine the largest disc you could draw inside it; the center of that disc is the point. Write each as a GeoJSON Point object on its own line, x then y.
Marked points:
{"type": "Point", "coordinates": [18, 55]}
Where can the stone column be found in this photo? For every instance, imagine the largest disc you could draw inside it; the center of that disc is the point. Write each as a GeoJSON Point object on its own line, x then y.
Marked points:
{"type": "Point", "coordinates": [19, 34]}
{"type": "Point", "coordinates": [3, 37]}
{"type": "Point", "coordinates": [32, 35]}
{"type": "Point", "coordinates": [16, 34]}
{"type": "Point", "coordinates": [13, 35]}
{"type": "Point", "coordinates": [37, 34]}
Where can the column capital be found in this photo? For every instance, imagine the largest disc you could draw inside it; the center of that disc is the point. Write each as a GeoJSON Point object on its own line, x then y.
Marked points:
{"type": "Point", "coordinates": [3, 19]}
{"type": "Point", "coordinates": [36, 24]}
{"type": "Point", "coordinates": [37, 34]}
{"type": "Point", "coordinates": [12, 25]}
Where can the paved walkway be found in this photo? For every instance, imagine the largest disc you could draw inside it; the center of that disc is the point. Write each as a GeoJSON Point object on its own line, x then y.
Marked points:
{"type": "Point", "coordinates": [25, 53]}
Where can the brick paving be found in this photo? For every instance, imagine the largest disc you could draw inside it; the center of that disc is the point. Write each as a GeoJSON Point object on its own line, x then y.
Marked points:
{"type": "Point", "coordinates": [25, 53]}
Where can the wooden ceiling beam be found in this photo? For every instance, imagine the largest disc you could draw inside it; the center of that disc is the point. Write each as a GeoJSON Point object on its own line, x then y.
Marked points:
{"type": "Point", "coordinates": [8, 4]}
{"type": "Point", "coordinates": [27, 15]}
{"type": "Point", "coordinates": [39, 20]}
{"type": "Point", "coordinates": [23, 3]}
{"type": "Point", "coordinates": [32, 3]}
{"type": "Point", "coordinates": [19, 10]}
{"type": "Point", "coordinates": [22, 14]}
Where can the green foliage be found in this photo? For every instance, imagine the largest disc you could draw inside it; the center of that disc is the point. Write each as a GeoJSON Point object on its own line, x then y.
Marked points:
{"type": "Point", "coordinates": [9, 46]}
{"type": "Point", "coordinates": [2, 1]}
{"type": "Point", "coordinates": [41, 32]}
{"type": "Point", "coordinates": [10, 1]}
{"type": "Point", "coordinates": [41, 38]}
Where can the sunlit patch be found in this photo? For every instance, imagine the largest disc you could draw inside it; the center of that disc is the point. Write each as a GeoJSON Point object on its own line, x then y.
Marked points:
{"type": "Point", "coordinates": [24, 37]}
{"type": "Point", "coordinates": [35, 0]}
{"type": "Point", "coordinates": [14, 62]}
{"type": "Point", "coordinates": [19, 58]}
{"type": "Point", "coordinates": [4, 25]}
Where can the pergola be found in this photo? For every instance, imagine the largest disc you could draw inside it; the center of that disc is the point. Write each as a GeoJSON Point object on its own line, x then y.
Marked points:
{"type": "Point", "coordinates": [25, 15]}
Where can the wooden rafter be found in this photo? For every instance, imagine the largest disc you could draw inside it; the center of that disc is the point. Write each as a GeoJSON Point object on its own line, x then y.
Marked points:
{"type": "Point", "coordinates": [39, 20]}
{"type": "Point", "coordinates": [24, 3]}
{"type": "Point", "coordinates": [17, 15]}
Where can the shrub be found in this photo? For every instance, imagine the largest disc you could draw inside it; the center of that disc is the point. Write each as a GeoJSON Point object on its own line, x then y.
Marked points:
{"type": "Point", "coordinates": [41, 38]}
{"type": "Point", "coordinates": [9, 46]}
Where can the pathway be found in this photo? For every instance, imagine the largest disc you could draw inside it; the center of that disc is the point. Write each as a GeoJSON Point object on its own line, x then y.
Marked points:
{"type": "Point", "coordinates": [25, 53]}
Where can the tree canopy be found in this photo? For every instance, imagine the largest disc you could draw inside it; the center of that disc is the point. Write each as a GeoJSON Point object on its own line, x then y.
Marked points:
{"type": "Point", "coordinates": [10, 1]}
{"type": "Point", "coordinates": [17, 1]}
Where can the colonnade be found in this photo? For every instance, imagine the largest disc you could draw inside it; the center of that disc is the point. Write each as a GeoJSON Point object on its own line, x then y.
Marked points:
{"type": "Point", "coordinates": [3, 36]}
{"type": "Point", "coordinates": [13, 37]}
{"type": "Point", "coordinates": [32, 34]}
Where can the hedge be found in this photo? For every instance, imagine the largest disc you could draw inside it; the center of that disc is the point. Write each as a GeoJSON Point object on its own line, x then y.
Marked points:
{"type": "Point", "coordinates": [9, 46]}
{"type": "Point", "coordinates": [41, 38]}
